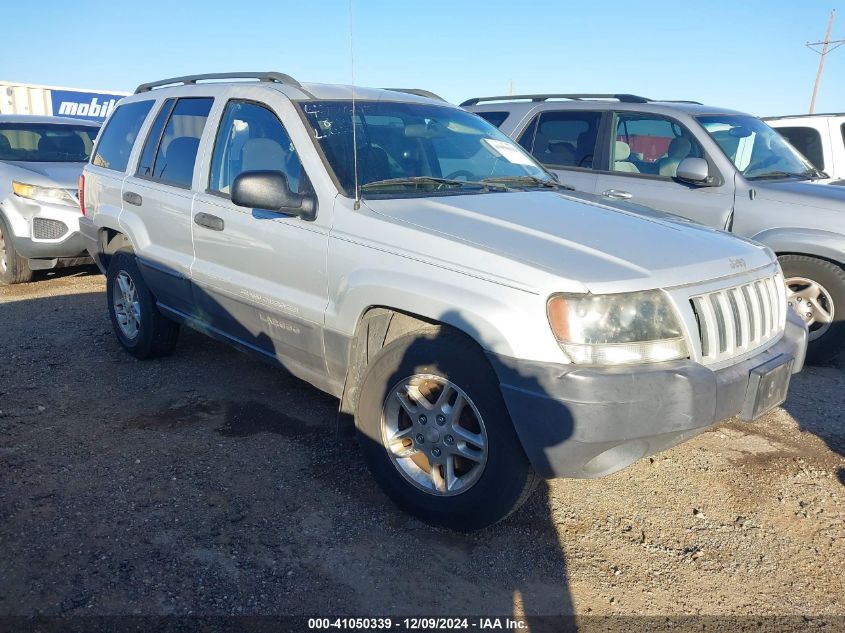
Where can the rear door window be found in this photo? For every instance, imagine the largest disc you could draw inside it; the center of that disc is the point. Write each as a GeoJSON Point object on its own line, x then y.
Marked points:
{"type": "Point", "coordinates": [563, 139]}
{"type": "Point", "coordinates": [145, 164]}
{"type": "Point", "coordinates": [177, 147]}
{"type": "Point", "coordinates": [806, 140]}
{"type": "Point", "coordinates": [118, 137]}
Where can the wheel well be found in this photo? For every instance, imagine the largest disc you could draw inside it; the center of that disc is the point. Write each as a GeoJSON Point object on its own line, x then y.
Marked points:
{"type": "Point", "coordinates": [819, 257]}
{"type": "Point", "coordinates": [377, 327]}
{"type": "Point", "coordinates": [111, 242]}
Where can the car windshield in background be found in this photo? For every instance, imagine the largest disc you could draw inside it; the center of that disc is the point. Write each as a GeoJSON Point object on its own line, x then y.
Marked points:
{"type": "Point", "coordinates": [46, 142]}
{"type": "Point", "coordinates": [408, 149]}
{"type": "Point", "coordinates": [758, 152]}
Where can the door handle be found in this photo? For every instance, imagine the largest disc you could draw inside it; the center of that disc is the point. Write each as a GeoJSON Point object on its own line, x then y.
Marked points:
{"type": "Point", "coordinates": [617, 194]}
{"type": "Point", "coordinates": [130, 197]}
{"type": "Point", "coordinates": [208, 221]}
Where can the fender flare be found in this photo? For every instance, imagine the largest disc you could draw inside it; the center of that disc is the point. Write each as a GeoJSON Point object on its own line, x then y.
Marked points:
{"type": "Point", "coordinates": [814, 242]}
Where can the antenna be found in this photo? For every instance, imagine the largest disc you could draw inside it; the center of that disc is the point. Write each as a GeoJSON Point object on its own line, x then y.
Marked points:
{"type": "Point", "coordinates": [354, 131]}
{"type": "Point", "coordinates": [822, 54]}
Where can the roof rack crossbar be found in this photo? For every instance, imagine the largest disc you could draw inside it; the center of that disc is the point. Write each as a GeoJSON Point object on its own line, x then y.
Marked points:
{"type": "Point", "coordinates": [281, 78]}
{"type": "Point", "coordinates": [418, 92]}
{"type": "Point", "coordinates": [625, 98]}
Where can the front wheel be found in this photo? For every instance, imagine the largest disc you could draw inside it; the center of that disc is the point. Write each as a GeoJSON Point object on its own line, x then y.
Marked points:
{"type": "Point", "coordinates": [436, 434]}
{"type": "Point", "coordinates": [14, 269]}
{"type": "Point", "coordinates": [815, 289]}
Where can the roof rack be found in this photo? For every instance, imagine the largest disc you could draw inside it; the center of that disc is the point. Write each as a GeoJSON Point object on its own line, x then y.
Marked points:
{"type": "Point", "coordinates": [281, 78]}
{"type": "Point", "coordinates": [625, 98]}
{"type": "Point", "coordinates": [676, 101]}
{"type": "Point", "coordinates": [801, 116]}
{"type": "Point", "coordinates": [418, 92]}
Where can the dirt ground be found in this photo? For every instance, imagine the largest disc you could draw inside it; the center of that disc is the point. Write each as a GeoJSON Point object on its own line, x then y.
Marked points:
{"type": "Point", "coordinates": [209, 483]}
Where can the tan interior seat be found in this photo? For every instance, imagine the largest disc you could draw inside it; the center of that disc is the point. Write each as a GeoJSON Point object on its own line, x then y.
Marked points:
{"type": "Point", "coordinates": [679, 149]}
{"type": "Point", "coordinates": [263, 154]}
{"type": "Point", "coordinates": [620, 158]}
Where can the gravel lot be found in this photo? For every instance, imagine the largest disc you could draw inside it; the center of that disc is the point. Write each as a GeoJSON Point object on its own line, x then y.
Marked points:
{"type": "Point", "coordinates": [210, 483]}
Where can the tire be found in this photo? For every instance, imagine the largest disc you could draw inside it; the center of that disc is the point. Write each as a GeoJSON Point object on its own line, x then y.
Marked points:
{"type": "Point", "coordinates": [437, 356]}
{"type": "Point", "coordinates": [154, 335]}
{"type": "Point", "coordinates": [827, 340]}
{"type": "Point", "coordinates": [14, 269]}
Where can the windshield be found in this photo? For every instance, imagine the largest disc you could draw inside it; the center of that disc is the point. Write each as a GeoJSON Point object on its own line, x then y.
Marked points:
{"type": "Point", "coordinates": [408, 149]}
{"type": "Point", "coordinates": [756, 149]}
{"type": "Point", "coordinates": [46, 142]}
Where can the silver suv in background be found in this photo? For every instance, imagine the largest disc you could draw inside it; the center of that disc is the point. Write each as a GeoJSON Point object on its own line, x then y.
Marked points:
{"type": "Point", "coordinates": [722, 168]}
{"type": "Point", "coordinates": [41, 159]}
{"type": "Point", "coordinates": [483, 325]}
{"type": "Point", "coordinates": [820, 137]}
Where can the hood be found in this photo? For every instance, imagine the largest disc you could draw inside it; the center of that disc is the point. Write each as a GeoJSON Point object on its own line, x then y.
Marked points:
{"type": "Point", "coordinates": [819, 194]}
{"type": "Point", "coordinates": [64, 175]}
{"type": "Point", "coordinates": [575, 237]}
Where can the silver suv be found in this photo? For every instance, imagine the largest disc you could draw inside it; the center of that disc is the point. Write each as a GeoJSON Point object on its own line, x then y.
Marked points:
{"type": "Point", "coordinates": [483, 325]}
{"type": "Point", "coordinates": [41, 159]}
{"type": "Point", "coordinates": [721, 168]}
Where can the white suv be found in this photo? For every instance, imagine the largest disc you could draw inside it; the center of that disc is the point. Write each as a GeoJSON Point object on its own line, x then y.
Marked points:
{"type": "Point", "coordinates": [820, 137]}
{"type": "Point", "coordinates": [482, 324]}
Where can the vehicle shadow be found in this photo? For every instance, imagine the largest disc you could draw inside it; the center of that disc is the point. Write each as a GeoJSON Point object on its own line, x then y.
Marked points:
{"type": "Point", "coordinates": [84, 270]}
{"type": "Point", "coordinates": [507, 584]}
{"type": "Point", "coordinates": [819, 410]}
{"type": "Point", "coordinates": [210, 483]}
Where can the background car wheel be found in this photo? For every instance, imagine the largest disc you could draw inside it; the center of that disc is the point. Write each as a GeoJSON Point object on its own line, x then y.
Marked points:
{"type": "Point", "coordinates": [816, 291]}
{"type": "Point", "coordinates": [14, 269]}
{"type": "Point", "coordinates": [141, 329]}
{"type": "Point", "coordinates": [436, 434]}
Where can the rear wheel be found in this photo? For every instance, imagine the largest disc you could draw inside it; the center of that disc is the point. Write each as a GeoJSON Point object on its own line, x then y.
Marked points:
{"type": "Point", "coordinates": [435, 432]}
{"type": "Point", "coordinates": [141, 329]}
{"type": "Point", "coordinates": [816, 291]}
{"type": "Point", "coordinates": [14, 269]}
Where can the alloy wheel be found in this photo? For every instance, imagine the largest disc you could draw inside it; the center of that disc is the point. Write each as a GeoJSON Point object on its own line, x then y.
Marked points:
{"type": "Point", "coordinates": [434, 434]}
{"type": "Point", "coordinates": [127, 308]}
{"type": "Point", "coordinates": [812, 302]}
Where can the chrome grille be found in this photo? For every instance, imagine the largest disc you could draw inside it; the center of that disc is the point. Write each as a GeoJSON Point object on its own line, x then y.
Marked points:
{"type": "Point", "coordinates": [46, 229]}
{"type": "Point", "coordinates": [736, 320]}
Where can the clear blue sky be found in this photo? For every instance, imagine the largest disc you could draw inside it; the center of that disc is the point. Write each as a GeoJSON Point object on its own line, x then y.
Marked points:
{"type": "Point", "coordinates": [745, 55]}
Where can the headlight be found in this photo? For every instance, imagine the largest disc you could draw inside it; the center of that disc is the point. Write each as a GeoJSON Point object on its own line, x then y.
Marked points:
{"type": "Point", "coordinates": [43, 194]}
{"type": "Point", "coordinates": [618, 329]}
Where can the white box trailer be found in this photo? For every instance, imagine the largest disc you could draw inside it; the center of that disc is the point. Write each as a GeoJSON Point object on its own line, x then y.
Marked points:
{"type": "Point", "coordinates": [78, 103]}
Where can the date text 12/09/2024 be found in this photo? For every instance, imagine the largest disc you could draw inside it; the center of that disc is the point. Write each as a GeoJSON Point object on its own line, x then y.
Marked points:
{"type": "Point", "coordinates": [418, 624]}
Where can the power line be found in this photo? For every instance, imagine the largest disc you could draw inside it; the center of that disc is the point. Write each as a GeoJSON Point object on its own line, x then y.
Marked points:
{"type": "Point", "coordinates": [825, 44]}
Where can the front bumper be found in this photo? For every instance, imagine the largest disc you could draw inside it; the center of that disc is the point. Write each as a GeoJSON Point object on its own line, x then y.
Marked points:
{"type": "Point", "coordinates": [589, 422]}
{"type": "Point", "coordinates": [22, 215]}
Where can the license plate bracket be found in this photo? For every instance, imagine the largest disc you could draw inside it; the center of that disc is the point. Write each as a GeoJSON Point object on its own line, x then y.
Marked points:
{"type": "Point", "coordinates": [768, 385]}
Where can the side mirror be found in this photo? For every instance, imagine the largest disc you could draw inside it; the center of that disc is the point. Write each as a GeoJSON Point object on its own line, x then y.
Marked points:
{"type": "Point", "coordinates": [695, 170]}
{"type": "Point", "coordinates": [269, 190]}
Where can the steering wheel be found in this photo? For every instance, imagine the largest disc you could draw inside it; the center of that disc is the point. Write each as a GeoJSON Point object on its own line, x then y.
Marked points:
{"type": "Point", "coordinates": [461, 172]}
{"type": "Point", "coordinates": [587, 157]}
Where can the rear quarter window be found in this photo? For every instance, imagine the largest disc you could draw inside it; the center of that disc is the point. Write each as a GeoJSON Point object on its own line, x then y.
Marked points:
{"type": "Point", "coordinates": [495, 118]}
{"type": "Point", "coordinates": [806, 140]}
{"type": "Point", "coordinates": [118, 137]}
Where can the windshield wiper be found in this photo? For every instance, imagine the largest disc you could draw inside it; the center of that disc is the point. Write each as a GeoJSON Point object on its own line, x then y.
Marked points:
{"type": "Point", "coordinates": [530, 181]}
{"type": "Point", "coordinates": [773, 175]}
{"type": "Point", "coordinates": [418, 181]}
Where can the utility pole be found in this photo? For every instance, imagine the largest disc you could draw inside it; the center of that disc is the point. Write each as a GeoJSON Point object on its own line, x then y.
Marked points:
{"type": "Point", "coordinates": [822, 54]}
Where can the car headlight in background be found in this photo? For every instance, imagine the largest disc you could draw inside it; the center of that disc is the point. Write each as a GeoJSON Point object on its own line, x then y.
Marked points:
{"type": "Point", "coordinates": [43, 194]}
{"type": "Point", "coordinates": [617, 329]}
